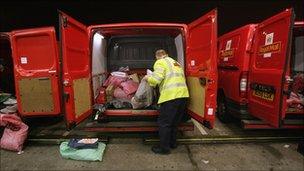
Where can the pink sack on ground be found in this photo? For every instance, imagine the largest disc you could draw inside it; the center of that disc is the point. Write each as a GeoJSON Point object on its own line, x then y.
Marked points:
{"type": "Point", "coordinates": [120, 94]}
{"type": "Point", "coordinates": [129, 86]}
{"type": "Point", "coordinates": [114, 80]}
{"type": "Point", "coordinates": [15, 132]}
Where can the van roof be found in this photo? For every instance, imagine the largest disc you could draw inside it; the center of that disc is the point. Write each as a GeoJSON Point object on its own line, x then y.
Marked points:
{"type": "Point", "coordinates": [240, 29]}
{"type": "Point", "coordinates": [138, 24]}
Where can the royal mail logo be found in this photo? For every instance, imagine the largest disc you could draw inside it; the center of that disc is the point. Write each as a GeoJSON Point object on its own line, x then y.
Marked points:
{"type": "Point", "coordinates": [271, 48]}
{"type": "Point", "coordinates": [226, 53]}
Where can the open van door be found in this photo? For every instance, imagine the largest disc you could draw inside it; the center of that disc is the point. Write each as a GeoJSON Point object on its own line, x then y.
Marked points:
{"type": "Point", "coordinates": [269, 66]}
{"type": "Point", "coordinates": [76, 69]}
{"type": "Point", "coordinates": [36, 70]}
{"type": "Point", "coordinates": [201, 68]}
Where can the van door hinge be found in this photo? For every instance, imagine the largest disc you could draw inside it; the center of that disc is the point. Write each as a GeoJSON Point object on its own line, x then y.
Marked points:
{"type": "Point", "coordinates": [66, 96]}
{"type": "Point", "coordinates": [64, 21]}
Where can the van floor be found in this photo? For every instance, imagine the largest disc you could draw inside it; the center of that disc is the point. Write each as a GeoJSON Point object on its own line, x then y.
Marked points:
{"type": "Point", "coordinates": [131, 154]}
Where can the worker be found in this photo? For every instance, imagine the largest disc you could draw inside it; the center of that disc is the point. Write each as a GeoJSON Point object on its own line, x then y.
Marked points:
{"type": "Point", "coordinates": [169, 76]}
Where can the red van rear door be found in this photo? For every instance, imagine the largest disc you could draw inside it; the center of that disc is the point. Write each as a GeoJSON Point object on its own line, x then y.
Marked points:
{"type": "Point", "coordinates": [201, 67]}
{"type": "Point", "coordinates": [269, 63]}
{"type": "Point", "coordinates": [36, 68]}
{"type": "Point", "coordinates": [76, 69]}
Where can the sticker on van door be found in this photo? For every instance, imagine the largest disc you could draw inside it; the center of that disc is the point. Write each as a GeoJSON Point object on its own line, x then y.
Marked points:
{"type": "Point", "coordinates": [268, 41]}
{"type": "Point", "coordinates": [228, 45]}
{"type": "Point", "coordinates": [23, 60]}
{"type": "Point", "coordinates": [269, 47]}
{"type": "Point", "coordinates": [228, 52]}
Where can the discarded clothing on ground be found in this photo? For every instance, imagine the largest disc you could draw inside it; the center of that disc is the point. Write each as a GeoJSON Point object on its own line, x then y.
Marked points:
{"type": "Point", "coordinates": [68, 152]}
{"type": "Point", "coordinates": [4, 97]}
{"type": "Point", "coordinates": [10, 101]}
{"type": "Point", "coordinates": [8, 104]}
{"type": "Point", "coordinates": [15, 132]}
{"type": "Point", "coordinates": [9, 109]}
{"type": "Point", "coordinates": [91, 143]}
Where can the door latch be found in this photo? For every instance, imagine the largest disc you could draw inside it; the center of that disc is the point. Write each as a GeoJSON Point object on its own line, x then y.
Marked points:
{"type": "Point", "coordinates": [65, 82]}
{"type": "Point", "coordinates": [203, 81]}
{"type": "Point", "coordinates": [66, 96]}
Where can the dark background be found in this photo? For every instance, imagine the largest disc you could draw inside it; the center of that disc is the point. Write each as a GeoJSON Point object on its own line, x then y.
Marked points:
{"type": "Point", "coordinates": [232, 13]}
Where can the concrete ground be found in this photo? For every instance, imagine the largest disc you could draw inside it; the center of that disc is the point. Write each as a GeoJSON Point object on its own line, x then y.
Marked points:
{"type": "Point", "coordinates": [132, 154]}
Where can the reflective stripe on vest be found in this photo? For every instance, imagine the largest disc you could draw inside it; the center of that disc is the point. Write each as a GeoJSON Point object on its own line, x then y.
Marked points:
{"type": "Point", "coordinates": [155, 76]}
{"type": "Point", "coordinates": [174, 85]}
{"type": "Point", "coordinates": [170, 75]}
{"type": "Point", "coordinates": [159, 69]}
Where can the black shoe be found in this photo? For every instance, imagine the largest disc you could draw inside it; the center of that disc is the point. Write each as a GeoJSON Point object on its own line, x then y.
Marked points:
{"type": "Point", "coordinates": [159, 150]}
{"type": "Point", "coordinates": [173, 146]}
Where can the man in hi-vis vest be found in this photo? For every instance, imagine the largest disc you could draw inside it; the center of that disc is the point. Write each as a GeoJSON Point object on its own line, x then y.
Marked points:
{"type": "Point", "coordinates": [169, 76]}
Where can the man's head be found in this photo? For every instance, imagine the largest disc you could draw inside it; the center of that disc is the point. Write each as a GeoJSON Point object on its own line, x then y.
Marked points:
{"type": "Point", "coordinates": [161, 53]}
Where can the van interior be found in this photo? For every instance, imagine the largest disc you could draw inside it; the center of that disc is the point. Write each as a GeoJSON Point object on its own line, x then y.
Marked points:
{"type": "Point", "coordinates": [6, 64]}
{"type": "Point", "coordinates": [113, 48]}
{"type": "Point", "coordinates": [295, 100]}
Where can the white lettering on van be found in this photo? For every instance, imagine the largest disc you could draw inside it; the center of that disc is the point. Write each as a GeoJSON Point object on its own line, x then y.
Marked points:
{"type": "Point", "coordinates": [228, 45]}
{"type": "Point", "coordinates": [268, 41]}
{"type": "Point", "coordinates": [23, 59]}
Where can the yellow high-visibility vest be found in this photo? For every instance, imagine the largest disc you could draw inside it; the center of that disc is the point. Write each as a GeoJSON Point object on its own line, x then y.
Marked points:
{"type": "Point", "coordinates": [169, 76]}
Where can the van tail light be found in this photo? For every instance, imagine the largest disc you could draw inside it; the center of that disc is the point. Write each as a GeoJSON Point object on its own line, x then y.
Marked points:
{"type": "Point", "coordinates": [243, 84]}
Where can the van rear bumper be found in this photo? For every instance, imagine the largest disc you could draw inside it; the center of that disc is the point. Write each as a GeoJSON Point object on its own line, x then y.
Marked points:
{"type": "Point", "coordinates": [238, 110]}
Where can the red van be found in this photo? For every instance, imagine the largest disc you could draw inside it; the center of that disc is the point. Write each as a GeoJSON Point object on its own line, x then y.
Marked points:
{"type": "Point", "coordinates": [233, 66]}
{"type": "Point", "coordinates": [62, 78]}
{"type": "Point", "coordinates": [259, 68]}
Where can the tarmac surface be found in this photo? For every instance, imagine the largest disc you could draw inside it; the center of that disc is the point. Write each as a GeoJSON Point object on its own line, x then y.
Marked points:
{"type": "Point", "coordinates": [131, 154]}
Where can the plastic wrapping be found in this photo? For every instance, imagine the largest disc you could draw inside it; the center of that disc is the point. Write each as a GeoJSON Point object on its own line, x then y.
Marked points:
{"type": "Point", "coordinates": [120, 94]}
{"type": "Point", "coordinates": [129, 86]}
{"type": "Point", "coordinates": [114, 80]}
{"type": "Point", "coordinates": [143, 96]}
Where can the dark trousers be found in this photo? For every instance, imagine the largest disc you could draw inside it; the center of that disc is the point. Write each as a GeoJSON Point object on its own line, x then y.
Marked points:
{"type": "Point", "coordinates": [171, 113]}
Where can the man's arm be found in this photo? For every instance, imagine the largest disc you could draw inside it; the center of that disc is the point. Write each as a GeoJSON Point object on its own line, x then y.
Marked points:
{"type": "Point", "coordinates": [158, 74]}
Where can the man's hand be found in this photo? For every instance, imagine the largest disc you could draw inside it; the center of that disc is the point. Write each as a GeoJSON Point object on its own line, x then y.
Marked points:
{"type": "Point", "coordinates": [145, 78]}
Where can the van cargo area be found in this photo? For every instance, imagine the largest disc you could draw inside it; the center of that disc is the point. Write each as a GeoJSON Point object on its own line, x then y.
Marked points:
{"type": "Point", "coordinates": [8, 103]}
{"type": "Point", "coordinates": [295, 101]}
{"type": "Point", "coordinates": [6, 62]}
{"type": "Point", "coordinates": [133, 48]}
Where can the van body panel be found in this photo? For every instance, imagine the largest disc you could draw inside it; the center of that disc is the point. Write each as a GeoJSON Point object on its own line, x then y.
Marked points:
{"type": "Point", "coordinates": [233, 59]}
{"type": "Point", "coordinates": [270, 61]}
{"type": "Point", "coordinates": [76, 69]}
{"type": "Point", "coordinates": [36, 70]}
{"type": "Point", "coordinates": [201, 67]}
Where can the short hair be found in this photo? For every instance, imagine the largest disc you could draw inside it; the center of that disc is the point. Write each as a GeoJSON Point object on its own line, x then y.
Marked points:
{"type": "Point", "coordinates": [160, 52]}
